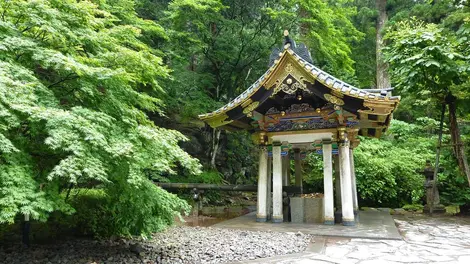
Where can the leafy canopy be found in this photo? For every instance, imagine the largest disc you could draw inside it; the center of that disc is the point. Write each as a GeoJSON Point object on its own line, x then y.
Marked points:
{"type": "Point", "coordinates": [76, 81]}
{"type": "Point", "coordinates": [425, 58]}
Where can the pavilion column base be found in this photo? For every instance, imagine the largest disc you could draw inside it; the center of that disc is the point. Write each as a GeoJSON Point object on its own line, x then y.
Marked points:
{"type": "Point", "coordinates": [278, 219]}
{"type": "Point", "coordinates": [338, 216]}
{"type": "Point", "coordinates": [329, 221]}
{"type": "Point", "coordinates": [349, 222]}
{"type": "Point", "coordinates": [261, 218]}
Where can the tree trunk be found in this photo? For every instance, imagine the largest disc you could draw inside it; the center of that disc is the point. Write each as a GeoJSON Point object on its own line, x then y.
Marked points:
{"type": "Point", "coordinates": [383, 79]}
{"type": "Point", "coordinates": [431, 203]}
{"type": "Point", "coordinates": [215, 145]}
{"type": "Point", "coordinates": [457, 145]}
{"type": "Point", "coordinates": [304, 27]}
{"type": "Point", "coordinates": [192, 63]}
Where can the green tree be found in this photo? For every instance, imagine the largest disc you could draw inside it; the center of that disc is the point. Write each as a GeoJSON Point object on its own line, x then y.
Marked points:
{"type": "Point", "coordinates": [219, 48]}
{"type": "Point", "coordinates": [387, 169]}
{"type": "Point", "coordinates": [76, 81]}
{"type": "Point", "coordinates": [427, 60]}
{"type": "Point", "coordinates": [326, 28]}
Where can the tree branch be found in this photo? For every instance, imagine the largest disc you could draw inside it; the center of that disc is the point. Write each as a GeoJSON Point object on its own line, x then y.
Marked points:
{"type": "Point", "coordinates": [67, 78]}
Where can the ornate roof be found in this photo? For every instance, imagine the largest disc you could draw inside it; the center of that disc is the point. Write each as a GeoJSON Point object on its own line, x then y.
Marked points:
{"type": "Point", "coordinates": [291, 73]}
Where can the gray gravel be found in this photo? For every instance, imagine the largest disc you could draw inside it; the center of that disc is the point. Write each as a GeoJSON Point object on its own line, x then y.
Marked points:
{"type": "Point", "coordinates": [177, 245]}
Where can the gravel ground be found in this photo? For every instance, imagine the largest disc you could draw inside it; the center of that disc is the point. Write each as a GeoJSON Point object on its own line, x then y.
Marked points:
{"type": "Point", "coordinates": [177, 245]}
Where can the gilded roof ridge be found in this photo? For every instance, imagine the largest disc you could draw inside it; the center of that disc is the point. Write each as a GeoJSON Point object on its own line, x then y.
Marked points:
{"type": "Point", "coordinates": [320, 75]}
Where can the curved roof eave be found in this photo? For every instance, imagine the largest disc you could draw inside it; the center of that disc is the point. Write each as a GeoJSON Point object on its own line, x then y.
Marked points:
{"type": "Point", "coordinates": [321, 76]}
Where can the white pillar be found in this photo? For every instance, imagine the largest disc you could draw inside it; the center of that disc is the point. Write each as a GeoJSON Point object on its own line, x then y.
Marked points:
{"type": "Point", "coordinates": [269, 193]}
{"type": "Point", "coordinates": [277, 184]}
{"type": "Point", "coordinates": [353, 180]}
{"type": "Point", "coordinates": [262, 185]}
{"type": "Point", "coordinates": [284, 170]}
{"type": "Point", "coordinates": [346, 186]}
{"type": "Point", "coordinates": [328, 202]}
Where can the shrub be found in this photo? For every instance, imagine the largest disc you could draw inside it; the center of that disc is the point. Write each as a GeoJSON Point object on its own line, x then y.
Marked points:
{"type": "Point", "coordinates": [413, 207]}
{"type": "Point", "coordinates": [130, 212]}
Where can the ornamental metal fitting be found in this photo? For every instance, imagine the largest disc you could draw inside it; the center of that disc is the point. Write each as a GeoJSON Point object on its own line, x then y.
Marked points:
{"type": "Point", "coordinates": [342, 134]}
{"type": "Point", "coordinates": [262, 138]}
{"type": "Point", "coordinates": [263, 148]}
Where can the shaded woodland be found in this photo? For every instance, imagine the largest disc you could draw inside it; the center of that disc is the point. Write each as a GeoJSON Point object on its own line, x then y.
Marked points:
{"type": "Point", "coordinates": [100, 98]}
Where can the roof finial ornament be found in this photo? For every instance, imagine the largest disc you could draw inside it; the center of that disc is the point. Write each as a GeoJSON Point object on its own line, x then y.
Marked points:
{"type": "Point", "coordinates": [288, 42]}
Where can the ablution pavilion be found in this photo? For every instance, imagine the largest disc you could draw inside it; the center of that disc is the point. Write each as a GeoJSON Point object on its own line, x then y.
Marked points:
{"type": "Point", "coordinates": [295, 107]}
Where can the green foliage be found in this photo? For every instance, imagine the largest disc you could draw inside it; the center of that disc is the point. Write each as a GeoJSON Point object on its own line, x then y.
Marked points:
{"type": "Point", "coordinates": [387, 170]}
{"type": "Point", "coordinates": [99, 213]}
{"type": "Point", "coordinates": [211, 177]}
{"type": "Point", "coordinates": [76, 81]}
{"type": "Point", "coordinates": [208, 176]}
{"type": "Point", "coordinates": [425, 59]}
{"type": "Point", "coordinates": [205, 31]}
{"type": "Point", "coordinates": [156, 209]}
{"type": "Point", "coordinates": [326, 28]}
{"type": "Point", "coordinates": [313, 173]}
{"type": "Point", "coordinates": [91, 217]}
{"type": "Point", "coordinates": [209, 69]}
{"type": "Point", "coordinates": [430, 63]}
{"type": "Point", "coordinates": [363, 50]}
{"type": "Point", "coordinates": [454, 188]}
{"type": "Point", "coordinates": [240, 154]}
{"type": "Point", "coordinates": [413, 207]}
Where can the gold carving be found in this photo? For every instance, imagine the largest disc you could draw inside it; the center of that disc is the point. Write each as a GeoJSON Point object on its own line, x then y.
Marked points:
{"type": "Point", "coordinates": [278, 72]}
{"type": "Point", "coordinates": [247, 110]}
{"type": "Point", "coordinates": [337, 93]}
{"type": "Point", "coordinates": [256, 138]}
{"type": "Point", "coordinates": [353, 144]}
{"type": "Point", "coordinates": [219, 121]}
{"type": "Point", "coordinates": [333, 99]}
{"type": "Point", "coordinates": [289, 67]}
{"type": "Point", "coordinates": [247, 102]}
{"type": "Point", "coordinates": [280, 81]}
{"type": "Point", "coordinates": [262, 138]}
{"type": "Point", "coordinates": [377, 107]}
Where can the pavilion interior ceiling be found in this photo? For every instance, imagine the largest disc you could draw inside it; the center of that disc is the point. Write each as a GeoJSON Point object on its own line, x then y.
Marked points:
{"type": "Point", "coordinates": [293, 95]}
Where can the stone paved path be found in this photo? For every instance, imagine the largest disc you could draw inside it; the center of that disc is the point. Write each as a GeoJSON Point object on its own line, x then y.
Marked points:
{"type": "Point", "coordinates": [442, 240]}
{"type": "Point", "coordinates": [372, 224]}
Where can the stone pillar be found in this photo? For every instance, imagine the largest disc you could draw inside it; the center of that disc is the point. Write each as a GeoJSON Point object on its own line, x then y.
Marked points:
{"type": "Point", "coordinates": [269, 193]}
{"type": "Point", "coordinates": [277, 183]}
{"type": "Point", "coordinates": [328, 201]}
{"type": "Point", "coordinates": [298, 168]}
{"type": "Point", "coordinates": [262, 213]}
{"type": "Point", "coordinates": [284, 170]}
{"type": "Point", "coordinates": [346, 186]}
{"type": "Point", "coordinates": [353, 181]}
{"type": "Point", "coordinates": [338, 214]}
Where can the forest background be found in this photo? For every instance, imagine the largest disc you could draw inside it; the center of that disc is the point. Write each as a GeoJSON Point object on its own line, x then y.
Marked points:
{"type": "Point", "coordinates": [100, 98]}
